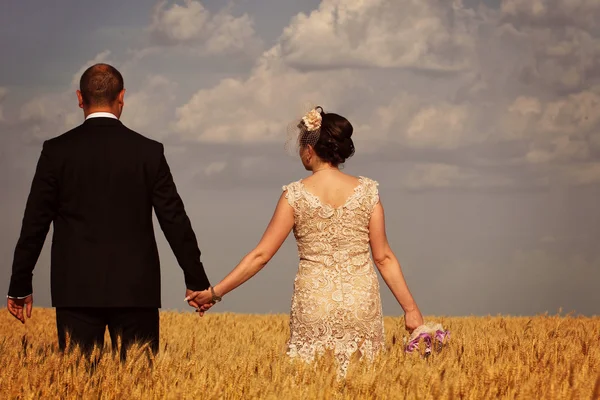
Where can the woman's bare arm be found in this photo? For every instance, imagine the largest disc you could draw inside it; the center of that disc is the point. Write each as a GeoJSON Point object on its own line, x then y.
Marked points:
{"type": "Point", "coordinates": [277, 231]}
{"type": "Point", "coordinates": [387, 263]}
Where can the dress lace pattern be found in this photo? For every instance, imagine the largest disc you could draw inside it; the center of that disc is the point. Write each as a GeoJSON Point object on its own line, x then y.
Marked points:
{"type": "Point", "coordinates": [336, 303]}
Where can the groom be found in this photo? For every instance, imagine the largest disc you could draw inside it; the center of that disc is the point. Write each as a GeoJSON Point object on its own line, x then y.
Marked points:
{"type": "Point", "coordinates": [98, 184]}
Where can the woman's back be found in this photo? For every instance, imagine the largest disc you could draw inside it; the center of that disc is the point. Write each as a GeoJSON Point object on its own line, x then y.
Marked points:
{"type": "Point", "coordinates": [331, 214]}
{"type": "Point", "coordinates": [331, 188]}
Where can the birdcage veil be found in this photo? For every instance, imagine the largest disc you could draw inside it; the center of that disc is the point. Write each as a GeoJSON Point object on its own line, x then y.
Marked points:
{"type": "Point", "coordinates": [304, 130]}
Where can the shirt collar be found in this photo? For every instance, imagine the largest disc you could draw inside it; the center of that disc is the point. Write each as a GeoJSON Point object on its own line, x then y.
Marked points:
{"type": "Point", "coordinates": [101, 115]}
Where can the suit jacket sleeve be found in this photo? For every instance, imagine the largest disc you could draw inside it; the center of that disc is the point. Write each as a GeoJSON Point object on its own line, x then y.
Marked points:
{"type": "Point", "coordinates": [41, 208]}
{"type": "Point", "coordinates": [177, 227]}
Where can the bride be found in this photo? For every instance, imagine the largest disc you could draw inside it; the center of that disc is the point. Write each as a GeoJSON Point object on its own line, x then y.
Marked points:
{"type": "Point", "coordinates": [336, 305]}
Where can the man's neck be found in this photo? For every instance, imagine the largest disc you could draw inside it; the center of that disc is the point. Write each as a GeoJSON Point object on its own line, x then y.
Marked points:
{"type": "Point", "coordinates": [90, 111]}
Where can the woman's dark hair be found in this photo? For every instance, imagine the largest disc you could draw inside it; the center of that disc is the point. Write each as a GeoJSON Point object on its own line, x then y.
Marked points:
{"type": "Point", "coordinates": [335, 143]}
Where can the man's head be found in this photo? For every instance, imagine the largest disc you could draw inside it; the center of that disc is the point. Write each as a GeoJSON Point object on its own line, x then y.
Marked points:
{"type": "Point", "coordinates": [101, 89]}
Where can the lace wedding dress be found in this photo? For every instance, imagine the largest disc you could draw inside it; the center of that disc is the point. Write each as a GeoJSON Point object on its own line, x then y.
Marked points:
{"type": "Point", "coordinates": [336, 303]}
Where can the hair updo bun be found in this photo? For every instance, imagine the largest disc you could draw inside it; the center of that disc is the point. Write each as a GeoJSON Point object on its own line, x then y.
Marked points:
{"type": "Point", "coordinates": [335, 143]}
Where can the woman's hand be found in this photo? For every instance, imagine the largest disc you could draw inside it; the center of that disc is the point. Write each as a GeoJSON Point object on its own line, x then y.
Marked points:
{"type": "Point", "coordinates": [201, 300]}
{"type": "Point", "coordinates": [412, 320]}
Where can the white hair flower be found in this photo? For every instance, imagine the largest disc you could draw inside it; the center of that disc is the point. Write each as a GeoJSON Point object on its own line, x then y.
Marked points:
{"type": "Point", "coordinates": [312, 120]}
{"type": "Point", "coordinates": [304, 130]}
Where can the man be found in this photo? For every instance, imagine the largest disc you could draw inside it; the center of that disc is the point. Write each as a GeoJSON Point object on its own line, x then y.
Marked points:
{"type": "Point", "coordinates": [98, 185]}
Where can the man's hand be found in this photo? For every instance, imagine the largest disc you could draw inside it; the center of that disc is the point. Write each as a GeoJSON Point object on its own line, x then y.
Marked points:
{"type": "Point", "coordinates": [17, 307]}
{"type": "Point", "coordinates": [190, 300]}
{"type": "Point", "coordinates": [201, 300]}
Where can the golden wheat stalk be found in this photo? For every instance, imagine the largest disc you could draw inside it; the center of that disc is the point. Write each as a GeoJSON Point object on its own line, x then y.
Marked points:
{"type": "Point", "coordinates": [228, 356]}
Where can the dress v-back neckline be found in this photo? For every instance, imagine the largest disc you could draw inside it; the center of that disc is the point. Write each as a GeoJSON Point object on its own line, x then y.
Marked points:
{"type": "Point", "coordinates": [323, 204]}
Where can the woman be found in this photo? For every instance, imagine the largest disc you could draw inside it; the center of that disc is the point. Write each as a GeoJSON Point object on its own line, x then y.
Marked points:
{"type": "Point", "coordinates": [336, 304]}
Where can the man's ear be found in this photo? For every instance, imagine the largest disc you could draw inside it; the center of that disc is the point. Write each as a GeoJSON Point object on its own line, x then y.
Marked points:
{"type": "Point", "coordinates": [121, 97]}
{"type": "Point", "coordinates": [80, 98]}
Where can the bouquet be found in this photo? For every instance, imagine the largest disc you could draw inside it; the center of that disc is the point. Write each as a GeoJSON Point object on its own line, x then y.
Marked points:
{"type": "Point", "coordinates": [431, 334]}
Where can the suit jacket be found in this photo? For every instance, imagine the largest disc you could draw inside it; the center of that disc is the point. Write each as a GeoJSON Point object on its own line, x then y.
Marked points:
{"type": "Point", "coordinates": [98, 185]}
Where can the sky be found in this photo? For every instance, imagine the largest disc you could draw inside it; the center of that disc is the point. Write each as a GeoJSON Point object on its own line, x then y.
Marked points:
{"type": "Point", "coordinates": [479, 119]}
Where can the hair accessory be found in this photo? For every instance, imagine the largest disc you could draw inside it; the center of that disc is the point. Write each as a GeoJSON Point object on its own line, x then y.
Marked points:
{"type": "Point", "coordinates": [312, 120]}
{"type": "Point", "coordinates": [304, 131]}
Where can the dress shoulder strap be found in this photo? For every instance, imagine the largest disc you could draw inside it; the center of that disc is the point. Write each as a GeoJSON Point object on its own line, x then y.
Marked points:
{"type": "Point", "coordinates": [292, 193]}
{"type": "Point", "coordinates": [371, 192]}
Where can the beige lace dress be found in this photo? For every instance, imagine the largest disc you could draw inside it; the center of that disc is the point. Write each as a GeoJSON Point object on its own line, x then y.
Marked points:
{"type": "Point", "coordinates": [336, 303]}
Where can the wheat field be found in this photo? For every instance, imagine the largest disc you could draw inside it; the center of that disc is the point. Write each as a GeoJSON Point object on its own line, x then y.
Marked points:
{"type": "Point", "coordinates": [232, 356]}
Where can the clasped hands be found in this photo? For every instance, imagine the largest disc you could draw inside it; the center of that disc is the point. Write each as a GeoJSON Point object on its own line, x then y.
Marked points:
{"type": "Point", "coordinates": [200, 300]}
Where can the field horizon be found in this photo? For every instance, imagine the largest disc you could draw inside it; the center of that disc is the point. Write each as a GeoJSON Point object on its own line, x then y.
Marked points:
{"type": "Point", "coordinates": [232, 355]}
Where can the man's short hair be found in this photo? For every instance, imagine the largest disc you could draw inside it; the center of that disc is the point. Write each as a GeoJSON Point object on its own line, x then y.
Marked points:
{"type": "Point", "coordinates": [100, 85]}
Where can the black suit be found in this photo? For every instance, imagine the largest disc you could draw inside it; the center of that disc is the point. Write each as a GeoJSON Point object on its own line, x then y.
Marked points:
{"type": "Point", "coordinates": [98, 184]}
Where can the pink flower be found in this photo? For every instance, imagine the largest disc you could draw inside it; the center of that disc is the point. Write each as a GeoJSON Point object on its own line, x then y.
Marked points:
{"type": "Point", "coordinates": [432, 336]}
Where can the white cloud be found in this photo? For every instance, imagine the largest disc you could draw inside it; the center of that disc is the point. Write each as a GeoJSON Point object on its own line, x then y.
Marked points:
{"type": "Point", "coordinates": [215, 168]}
{"type": "Point", "coordinates": [574, 115]}
{"type": "Point", "coordinates": [252, 162]}
{"type": "Point", "coordinates": [580, 13]}
{"type": "Point", "coordinates": [562, 135]}
{"type": "Point", "coordinates": [50, 114]}
{"type": "Point", "coordinates": [560, 39]}
{"type": "Point", "coordinates": [420, 124]}
{"type": "Point", "coordinates": [442, 176]}
{"type": "Point", "coordinates": [521, 116]}
{"type": "Point", "coordinates": [447, 119]}
{"type": "Point", "coordinates": [559, 130]}
{"type": "Point", "coordinates": [436, 176]}
{"type": "Point", "coordinates": [560, 149]}
{"type": "Point", "coordinates": [523, 84]}
{"type": "Point", "coordinates": [150, 109]}
{"type": "Point", "coordinates": [567, 59]}
{"type": "Point", "coordinates": [259, 108]}
{"type": "Point", "coordinates": [193, 25]}
{"type": "Point", "coordinates": [420, 34]}
{"type": "Point", "coordinates": [581, 174]}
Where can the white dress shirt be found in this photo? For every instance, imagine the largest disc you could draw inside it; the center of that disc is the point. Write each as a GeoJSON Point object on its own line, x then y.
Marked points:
{"type": "Point", "coordinates": [92, 115]}
{"type": "Point", "coordinates": [101, 114]}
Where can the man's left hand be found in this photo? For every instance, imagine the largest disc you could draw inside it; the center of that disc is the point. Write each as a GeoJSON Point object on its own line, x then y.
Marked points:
{"type": "Point", "coordinates": [201, 300]}
{"type": "Point", "coordinates": [192, 302]}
